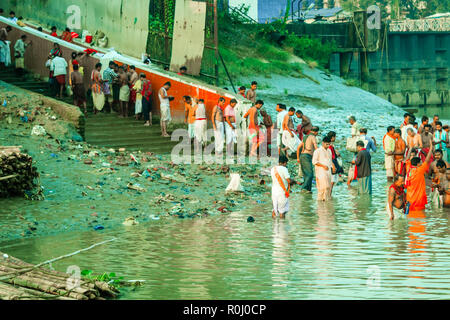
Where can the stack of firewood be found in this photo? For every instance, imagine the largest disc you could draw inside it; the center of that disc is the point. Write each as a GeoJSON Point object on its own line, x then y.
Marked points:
{"type": "Point", "coordinates": [20, 280]}
{"type": "Point", "coordinates": [17, 174]}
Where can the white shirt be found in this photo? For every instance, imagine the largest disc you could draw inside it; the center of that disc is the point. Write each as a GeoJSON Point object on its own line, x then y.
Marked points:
{"type": "Point", "coordinates": [59, 66]}
{"type": "Point", "coordinates": [280, 118]}
{"type": "Point", "coordinates": [322, 156]}
{"type": "Point", "coordinates": [277, 190]}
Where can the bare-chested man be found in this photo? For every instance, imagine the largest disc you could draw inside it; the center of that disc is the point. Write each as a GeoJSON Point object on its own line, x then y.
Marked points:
{"type": "Point", "coordinates": [124, 95]}
{"type": "Point", "coordinates": [399, 152]}
{"type": "Point", "coordinates": [438, 156]}
{"type": "Point", "coordinates": [397, 196]}
{"type": "Point", "coordinates": [414, 140]}
{"type": "Point", "coordinates": [251, 93]}
{"type": "Point", "coordinates": [440, 185]}
{"type": "Point", "coordinates": [425, 121]}
{"type": "Point", "coordinates": [255, 137]}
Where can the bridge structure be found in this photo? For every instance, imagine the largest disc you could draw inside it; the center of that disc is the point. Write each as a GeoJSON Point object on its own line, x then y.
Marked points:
{"type": "Point", "coordinates": [405, 62]}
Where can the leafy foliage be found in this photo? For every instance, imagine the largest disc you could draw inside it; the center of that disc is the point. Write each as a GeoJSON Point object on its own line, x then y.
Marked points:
{"type": "Point", "coordinates": [110, 278]}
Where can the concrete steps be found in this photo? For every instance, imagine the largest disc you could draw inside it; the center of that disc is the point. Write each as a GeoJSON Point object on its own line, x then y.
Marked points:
{"type": "Point", "coordinates": [103, 129]}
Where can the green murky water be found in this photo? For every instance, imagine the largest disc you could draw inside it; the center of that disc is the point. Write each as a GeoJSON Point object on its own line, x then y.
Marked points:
{"type": "Point", "coordinates": [344, 249]}
{"type": "Point", "coordinates": [321, 251]}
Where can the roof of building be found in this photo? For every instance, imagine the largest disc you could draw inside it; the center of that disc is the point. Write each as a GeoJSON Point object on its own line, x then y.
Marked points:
{"type": "Point", "coordinates": [439, 15]}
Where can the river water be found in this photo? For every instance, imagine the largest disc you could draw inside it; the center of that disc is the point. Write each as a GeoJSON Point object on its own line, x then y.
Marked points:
{"type": "Point", "coordinates": [344, 249]}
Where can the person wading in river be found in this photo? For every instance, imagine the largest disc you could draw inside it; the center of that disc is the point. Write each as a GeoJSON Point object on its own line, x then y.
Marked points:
{"type": "Point", "coordinates": [427, 141]}
{"type": "Point", "coordinates": [396, 196]}
{"type": "Point", "coordinates": [363, 169]}
{"type": "Point", "coordinates": [309, 146]}
{"type": "Point", "coordinates": [425, 121]}
{"type": "Point", "coordinates": [399, 153]}
{"type": "Point", "coordinates": [416, 194]}
{"type": "Point", "coordinates": [336, 162]}
{"type": "Point", "coordinates": [324, 168]}
{"type": "Point", "coordinates": [440, 139]}
{"type": "Point", "coordinates": [389, 148]}
{"type": "Point", "coordinates": [281, 182]}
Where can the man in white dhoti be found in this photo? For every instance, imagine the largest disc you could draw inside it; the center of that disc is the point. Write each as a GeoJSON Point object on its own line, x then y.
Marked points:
{"type": "Point", "coordinates": [230, 124]}
{"type": "Point", "coordinates": [289, 138]}
{"type": "Point", "coordinates": [280, 188]}
{"type": "Point", "coordinates": [201, 124]}
{"type": "Point", "coordinates": [324, 167]}
{"type": "Point", "coordinates": [218, 125]}
{"type": "Point", "coordinates": [389, 148]}
{"type": "Point", "coordinates": [164, 106]}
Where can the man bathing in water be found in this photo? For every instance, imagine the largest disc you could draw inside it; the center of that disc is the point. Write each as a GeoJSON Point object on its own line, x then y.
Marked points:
{"type": "Point", "coordinates": [399, 152]}
{"type": "Point", "coordinates": [440, 183]}
{"type": "Point", "coordinates": [396, 196]}
{"type": "Point", "coordinates": [281, 182]}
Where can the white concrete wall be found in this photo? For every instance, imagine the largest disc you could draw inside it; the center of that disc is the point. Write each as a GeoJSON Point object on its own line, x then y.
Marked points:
{"type": "Point", "coordinates": [253, 11]}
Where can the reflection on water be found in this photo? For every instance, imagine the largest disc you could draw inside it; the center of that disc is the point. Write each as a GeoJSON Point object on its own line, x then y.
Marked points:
{"type": "Point", "coordinates": [322, 250]}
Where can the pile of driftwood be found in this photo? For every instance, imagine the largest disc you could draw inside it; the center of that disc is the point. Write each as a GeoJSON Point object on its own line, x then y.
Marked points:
{"type": "Point", "coordinates": [23, 281]}
{"type": "Point", "coordinates": [17, 173]}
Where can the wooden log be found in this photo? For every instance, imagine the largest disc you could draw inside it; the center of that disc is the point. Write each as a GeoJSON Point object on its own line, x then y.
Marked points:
{"type": "Point", "coordinates": [21, 280]}
{"type": "Point", "coordinates": [8, 177]}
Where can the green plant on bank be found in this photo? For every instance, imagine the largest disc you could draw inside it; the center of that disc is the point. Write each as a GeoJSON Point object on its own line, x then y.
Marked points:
{"type": "Point", "coordinates": [110, 278]}
{"type": "Point", "coordinates": [352, 83]}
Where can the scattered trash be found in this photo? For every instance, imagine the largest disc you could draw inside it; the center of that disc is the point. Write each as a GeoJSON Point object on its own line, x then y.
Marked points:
{"type": "Point", "coordinates": [99, 227]}
{"type": "Point", "coordinates": [222, 209]}
{"type": "Point", "coordinates": [235, 184]}
{"type": "Point", "coordinates": [154, 217]}
{"type": "Point", "coordinates": [136, 187]}
{"type": "Point", "coordinates": [38, 131]}
{"type": "Point", "coordinates": [87, 161]}
{"type": "Point", "coordinates": [130, 222]}
{"type": "Point", "coordinates": [133, 158]}
{"type": "Point", "coordinates": [250, 219]}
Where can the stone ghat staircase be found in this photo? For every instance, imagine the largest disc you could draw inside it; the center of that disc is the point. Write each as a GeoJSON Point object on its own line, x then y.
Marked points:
{"type": "Point", "coordinates": [103, 129]}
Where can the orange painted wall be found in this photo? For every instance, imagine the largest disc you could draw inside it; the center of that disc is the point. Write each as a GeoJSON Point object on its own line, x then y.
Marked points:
{"type": "Point", "coordinates": [36, 56]}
